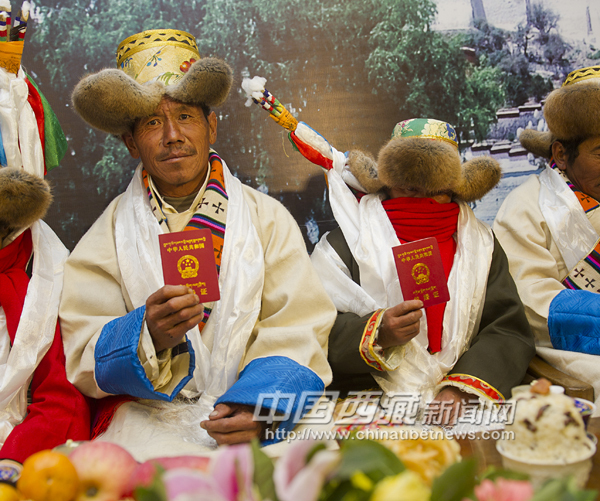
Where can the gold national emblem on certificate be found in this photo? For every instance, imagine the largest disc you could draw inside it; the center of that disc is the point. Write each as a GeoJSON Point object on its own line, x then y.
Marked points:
{"type": "Point", "coordinates": [188, 266]}
{"type": "Point", "coordinates": [420, 273]}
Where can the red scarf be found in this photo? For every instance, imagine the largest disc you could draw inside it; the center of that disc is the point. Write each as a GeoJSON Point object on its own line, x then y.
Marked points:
{"type": "Point", "coordinates": [417, 218]}
{"type": "Point", "coordinates": [14, 279]}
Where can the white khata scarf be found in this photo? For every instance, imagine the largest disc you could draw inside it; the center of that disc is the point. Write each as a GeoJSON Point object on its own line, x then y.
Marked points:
{"type": "Point", "coordinates": [570, 228]}
{"type": "Point", "coordinates": [36, 329]}
{"type": "Point", "coordinates": [370, 236]}
{"type": "Point", "coordinates": [241, 280]}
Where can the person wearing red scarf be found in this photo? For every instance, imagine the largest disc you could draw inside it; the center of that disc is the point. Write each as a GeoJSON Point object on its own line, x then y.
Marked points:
{"type": "Point", "coordinates": [418, 182]}
{"type": "Point", "coordinates": [415, 218]}
{"type": "Point", "coordinates": [56, 411]}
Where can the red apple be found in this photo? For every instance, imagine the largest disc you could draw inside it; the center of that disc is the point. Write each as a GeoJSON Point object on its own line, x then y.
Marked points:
{"type": "Point", "coordinates": [144, 473]}
{"type": "Point", "coordinates": [104, 470]}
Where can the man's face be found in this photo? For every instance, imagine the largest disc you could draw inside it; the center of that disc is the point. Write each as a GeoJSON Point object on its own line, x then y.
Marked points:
{"type": "Point", "coordinates": [173, 145]}
{"type": "Point", "coordinates": [584, 171]}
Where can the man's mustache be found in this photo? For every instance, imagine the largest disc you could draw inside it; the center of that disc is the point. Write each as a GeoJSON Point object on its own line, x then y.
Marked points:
{"type": "Point", "coordinates": [176, 152]}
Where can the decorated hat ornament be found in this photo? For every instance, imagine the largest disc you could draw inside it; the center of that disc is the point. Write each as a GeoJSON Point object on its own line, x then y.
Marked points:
{"type": "Point", "coordinates": [571, 112]}
{"type": "Point", "coordinates": [422, 155]}
{"type": "Point", "coordinates": [150, 65]}
{"type": "Point", "coordinates": [425, 128]}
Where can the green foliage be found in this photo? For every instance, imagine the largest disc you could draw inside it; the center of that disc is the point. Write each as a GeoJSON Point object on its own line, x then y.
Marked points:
{"type": "Point", "coordinates": [263, 472]}
{"type": "Point", "coordinates": [540, 87]}
{"type": "Point", "coordinates": [487, 38]}
{"type": "Point", "coordinates": [364, 463]}
{"type": "Point", "coordinates": [156, 491]}
{"type": "Point", "coordinates": [554, 48]}
{"type": "Point", "coordinates": [113, 171]}
{"type": "Point", "coordinates": [563, 490]}
{"type": "Point", "coordinates": [383, 48]}
{"type": "Point", "coordinates": [426, 75]}
{"type": "Point", "coordinates": [369, 457]}
{"type": "Point", "coordinates": [479, 102]}
{"type": "Point", "coordinates": [518, 83]}
{"type": "Point", "coordinates": [543, 19]}
{"type": "Point", "coordinates": [323, 34]}
{"type": "Point", "coordinates": [492, 473]}
{"type": "Point", "coordinates": [456, 483]}
{"type": "Point", "coordinates": [516, 77]}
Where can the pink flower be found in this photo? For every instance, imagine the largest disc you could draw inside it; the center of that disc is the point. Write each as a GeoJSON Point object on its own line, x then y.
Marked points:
{"type": "Point", "coordinates": [295, 480]}
{"type": "Point", "coordinates": [185, 483]}
{"type": "Point", "coordinates": [230, 478]}
{"type": "Point", "coordinates": [233, 470]}
{"type": "Point", "coordinates": [504, 490]}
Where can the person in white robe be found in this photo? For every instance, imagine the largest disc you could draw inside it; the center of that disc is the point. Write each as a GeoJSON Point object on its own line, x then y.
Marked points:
{"type": "Point", "coordinates": [173, 375]}
{"type": "Point", "coordinates": [550, 229]}
{"type": "Point", "coordinates": [478, 343]}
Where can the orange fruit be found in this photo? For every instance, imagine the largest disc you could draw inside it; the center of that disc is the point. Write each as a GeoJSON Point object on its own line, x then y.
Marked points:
{"type": "Point", "coordinates": [8, 493]}
{"type": "Point", "coordinates": [48, 476]}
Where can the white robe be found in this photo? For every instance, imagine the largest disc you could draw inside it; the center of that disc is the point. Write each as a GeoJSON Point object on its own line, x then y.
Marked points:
{"type": "Point", "coordinates": [538, 267]}
{"type": "Point", "coordinates": [294, 320]}
{"type": "Point", "coordinates": [371, 236]}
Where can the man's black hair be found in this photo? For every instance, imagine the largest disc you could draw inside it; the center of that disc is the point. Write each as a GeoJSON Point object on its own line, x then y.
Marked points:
{"type": "Point", "coordinates": [571, 147]}
{"type": "Point", "coordinates": [205, 110]}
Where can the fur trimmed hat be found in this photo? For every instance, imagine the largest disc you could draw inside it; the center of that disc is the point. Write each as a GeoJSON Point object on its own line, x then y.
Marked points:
{"type": "Point", "coordinates": [423, 155]}
{"type": "Point", "coordinates": [152, 64]}
{"type": "Point", "coordinates": [24, 198]}
{"type": "Point", "coordinates": [571, 112]}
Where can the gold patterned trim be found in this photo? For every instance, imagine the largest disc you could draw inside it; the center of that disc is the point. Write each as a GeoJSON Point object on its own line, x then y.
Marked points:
{"type": "Point", "coordinates": [453, 143]}
{"type": "Point", "coordinates": [158, 38]}
{"type": "Point", "coordinates": [366, 343]}
{"type": "Point", "coordinates": [474, 383]}
{"type": "Point", "coordinates": [582, 74]}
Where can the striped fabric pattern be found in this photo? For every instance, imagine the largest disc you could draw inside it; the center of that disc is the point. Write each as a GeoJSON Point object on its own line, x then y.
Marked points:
{"type": "Point", "coordinates": [210, 214]}
{"type": "Point", "coordinates": [586, 275]}
{"type": "Point", "coordinates": [212, 211]}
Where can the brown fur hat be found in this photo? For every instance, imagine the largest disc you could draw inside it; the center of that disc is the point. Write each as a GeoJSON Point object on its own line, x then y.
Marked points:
{"type": "Point", "coordinates": [24, 198]}
{"type": "Point", "coordinates": [111, 101]}
{"type": "Point", "coordinates": [571, 112]}
{"type": "Point", "coordinates": [428, 165]}
{"type": "Point", "coordinates": [364, 168]}
{"type": "Point", "coordinates": [153, 64]}
{"type": "Point", "coordinates": [538, 143]}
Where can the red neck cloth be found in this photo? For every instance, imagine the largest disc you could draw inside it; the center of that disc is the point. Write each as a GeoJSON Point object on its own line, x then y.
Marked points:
{"type": "Point", "coordinates": [14, 279]}
{"type": "Point", "coordinates": [418, 218]}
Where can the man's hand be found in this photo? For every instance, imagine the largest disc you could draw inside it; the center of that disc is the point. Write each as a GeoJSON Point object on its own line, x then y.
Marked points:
{"type": "Point", "coordinates": [400, 324]}
{"type": "Point", "coordinates": [170, 312]}
{"type": "Point", "coordinates": [233, 424]}
{"type": "Point", "coordinates": [450, 406]}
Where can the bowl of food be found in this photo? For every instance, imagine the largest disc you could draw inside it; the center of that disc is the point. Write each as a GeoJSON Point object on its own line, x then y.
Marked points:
{"type": "Point", "coordinates": [547, 438]}
{"type": "Point", "coordinates": [585, 408]}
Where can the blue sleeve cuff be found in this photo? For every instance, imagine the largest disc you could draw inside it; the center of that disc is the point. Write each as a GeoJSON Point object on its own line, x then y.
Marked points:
{"type": "Point", "coordinates": [279, 384]}
{"type": "Point", "coordinates": [118, 369]}
{"type": "Point", "coordinates": [574, 321]}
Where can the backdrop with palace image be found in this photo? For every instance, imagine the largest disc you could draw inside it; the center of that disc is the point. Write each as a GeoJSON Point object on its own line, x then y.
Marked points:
{"type": "Point", "coordinates": [351, 70]}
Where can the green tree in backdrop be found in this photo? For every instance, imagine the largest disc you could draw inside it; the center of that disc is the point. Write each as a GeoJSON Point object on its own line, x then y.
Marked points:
{"type": "Point", "coordinates": [383, 48]}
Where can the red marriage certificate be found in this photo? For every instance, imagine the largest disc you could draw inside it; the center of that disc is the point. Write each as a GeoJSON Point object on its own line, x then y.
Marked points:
{"type": "Point", "coordinates": [188, 259]}
{"type": "Point", "coordinates": [421, 272]}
